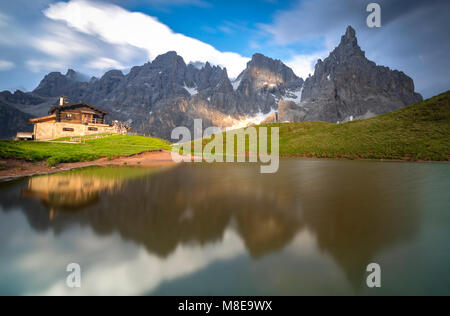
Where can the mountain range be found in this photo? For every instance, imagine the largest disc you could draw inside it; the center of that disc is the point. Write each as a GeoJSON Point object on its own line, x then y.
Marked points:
{"type": "Point", "coordinates": [165, 93]}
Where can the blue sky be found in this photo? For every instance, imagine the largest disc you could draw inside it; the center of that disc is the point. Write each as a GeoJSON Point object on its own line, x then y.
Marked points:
{"type": "Point", "coordinates": [40, 36]}
{"type": "Point", "coordinates": [231, 25]}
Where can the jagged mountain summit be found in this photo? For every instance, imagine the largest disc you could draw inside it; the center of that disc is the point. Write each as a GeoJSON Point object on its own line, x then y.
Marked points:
{"type": "Point", "coordinates": [55, 84]}
{"type": "Point", "coordinates": [165, 93]}
{"type": "Point", "coordinates": [347, 85]}
{"type": "Point", "coordinates": [220, 102]}
{"type": "Point", "coordinates": [264, 76]}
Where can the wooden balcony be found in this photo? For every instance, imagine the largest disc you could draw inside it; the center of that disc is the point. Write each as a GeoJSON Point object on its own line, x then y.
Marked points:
{"type": "Point", "coordinates": [80, 120]}
{"type": "Point", "coordinates": [92, 121]}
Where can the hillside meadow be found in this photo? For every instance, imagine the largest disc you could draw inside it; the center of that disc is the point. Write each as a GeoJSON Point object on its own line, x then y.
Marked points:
{"type": "Point", "coordinates": [418, 132]}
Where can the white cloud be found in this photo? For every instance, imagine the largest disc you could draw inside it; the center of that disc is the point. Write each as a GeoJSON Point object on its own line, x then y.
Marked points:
{"type": "Point", "coordinates": [134, 270]}
{"type": "Point", "coordinates": [117, 26]}
{"type": "Point", "coordinates": [105, 63]}
{"type": "Point", "coordinates": [60, 48]}
{"type": "Point", "coordinates": [63, 44]}
{"type": "Point", "coordinates": [38, 65]}
{"type": "Point", "coordinates": [6, 65]}
{"type": "Point", "coordinates": [303, 65]}
{"type": "Point", "coordinates": [10, 34]}
{"type": "Point", "coordinates": [4, 19]}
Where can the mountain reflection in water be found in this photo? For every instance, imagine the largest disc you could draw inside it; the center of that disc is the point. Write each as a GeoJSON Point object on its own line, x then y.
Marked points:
{"type": "Point", "coordinates": [353, 210]}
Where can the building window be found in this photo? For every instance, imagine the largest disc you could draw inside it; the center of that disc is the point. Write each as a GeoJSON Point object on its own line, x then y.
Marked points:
{"type": "Point", "coordinates": [92, 129]}
{"type": "Point", "coordinates": [68, 129]}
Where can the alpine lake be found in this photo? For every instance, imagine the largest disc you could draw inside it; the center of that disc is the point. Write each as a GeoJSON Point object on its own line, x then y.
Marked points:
{"type": "Point", "coordinates": [312, 228]}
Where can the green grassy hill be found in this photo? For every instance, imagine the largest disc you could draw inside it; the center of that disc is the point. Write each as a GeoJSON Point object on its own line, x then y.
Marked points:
{"type": "Point", "coordinates": [114, 146]}
{"type": "Point", "coordinates": [419, 132]}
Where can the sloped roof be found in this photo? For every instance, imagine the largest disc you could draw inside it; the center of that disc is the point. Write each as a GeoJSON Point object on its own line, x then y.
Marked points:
{"type": "Point", "coordinates": [75, 105]}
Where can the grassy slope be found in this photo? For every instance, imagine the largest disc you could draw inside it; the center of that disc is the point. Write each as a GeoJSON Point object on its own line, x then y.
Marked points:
{"type": "Point", "coordinates": [419, 132]}
{"type": "Point", "coordinates": [123, 145]}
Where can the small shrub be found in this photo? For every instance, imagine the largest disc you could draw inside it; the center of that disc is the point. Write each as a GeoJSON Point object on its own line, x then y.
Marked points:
{"type": "Point", "coordinates": [52, 161]}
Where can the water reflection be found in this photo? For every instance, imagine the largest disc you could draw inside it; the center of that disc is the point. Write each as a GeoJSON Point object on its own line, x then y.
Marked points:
{"type": "Point", "coordinates": [68, 191]}
{"type": "Point", "coordinates": [355, 211]}
{"type": "Point", "coordinates": [76, 190]}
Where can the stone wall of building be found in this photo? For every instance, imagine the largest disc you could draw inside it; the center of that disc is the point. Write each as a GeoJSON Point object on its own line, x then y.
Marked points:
{"type": "Point", "coordinates": [49, 131]}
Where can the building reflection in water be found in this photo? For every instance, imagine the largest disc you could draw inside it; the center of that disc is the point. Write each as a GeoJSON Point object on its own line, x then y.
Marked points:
{"type": "Point", "coordinates": [76, 190]}
{"type": "Point", "coordinates": [70, 192]}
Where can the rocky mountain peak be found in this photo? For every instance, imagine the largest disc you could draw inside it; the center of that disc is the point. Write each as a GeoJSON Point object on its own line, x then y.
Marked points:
{"type": "Point", "coordinates": [113, 73]}
{"type": "Point", "coordinates": [348, 46]}
{"type": "Point", "coordinates": [55, 83]}
{"type": "Point", "coordinates": [267, 75]}
{"type": "Point", "coordinates": [20, 97]}
{"type": "Point", "coordinates": [107, 83]}
{"type": "Point", "coordinates": [208, 79]}
{"type": "Point", "coordinates": [71, 74]}
{"type": "Point", "coordinates": [197, 64]}
{"type": "Point", "coordinates": [208, 65]}
{"type": "Point", "coordinates": [259, 59]}
{"type": "Point", "coordinates": [76, 76]}
{"type": "Point", "coordinates": [261, 65]}
{"type": "Point", "coordinates": [347, 85]}
{"type": "Point", "coordinates": [349, 37]}
{"type": "Point", "coordinates": [168, 60]}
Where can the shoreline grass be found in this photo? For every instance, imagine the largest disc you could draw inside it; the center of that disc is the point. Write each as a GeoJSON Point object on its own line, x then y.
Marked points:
{"type": "Point", "coordinates": [54, 153]}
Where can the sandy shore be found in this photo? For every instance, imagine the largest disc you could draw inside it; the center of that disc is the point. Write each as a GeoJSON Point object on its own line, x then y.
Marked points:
{"type": "Point", "coordinates": [11, 169]}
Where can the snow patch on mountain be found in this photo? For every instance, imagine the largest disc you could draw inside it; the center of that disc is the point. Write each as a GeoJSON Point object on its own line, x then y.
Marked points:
{"type": "Point", "coordinates": [236, 84]}
{"type": "Point", "coordinates": [191, 91]}
{"type": "Point", "coordinates": [294, 96]}
{"type": "Point", "coordinates": [250, 120]}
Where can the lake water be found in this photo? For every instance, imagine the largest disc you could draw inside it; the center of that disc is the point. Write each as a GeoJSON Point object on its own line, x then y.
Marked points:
{"type": "Point", "coordinates": [225, 229]}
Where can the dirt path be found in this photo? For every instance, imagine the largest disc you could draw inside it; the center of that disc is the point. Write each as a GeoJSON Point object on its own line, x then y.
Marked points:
{"type": "Point", "coordinates": [13, 168]}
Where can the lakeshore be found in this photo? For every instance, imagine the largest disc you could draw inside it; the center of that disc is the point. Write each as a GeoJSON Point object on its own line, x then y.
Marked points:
{"type": "Point", "coordinates": [17, 168]}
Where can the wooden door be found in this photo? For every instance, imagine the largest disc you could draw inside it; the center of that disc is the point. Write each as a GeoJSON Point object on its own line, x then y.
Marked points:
{"type": "Point", "coordinates": [86, 118]}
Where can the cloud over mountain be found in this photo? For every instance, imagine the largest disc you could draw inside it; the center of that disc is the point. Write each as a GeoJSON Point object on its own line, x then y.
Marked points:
{"type": "Point", "coordinates": [117, 26]}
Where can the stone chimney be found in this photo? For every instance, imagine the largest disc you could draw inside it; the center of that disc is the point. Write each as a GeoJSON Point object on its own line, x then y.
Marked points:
{"type": "Point", "coordinates": [62, 100]}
